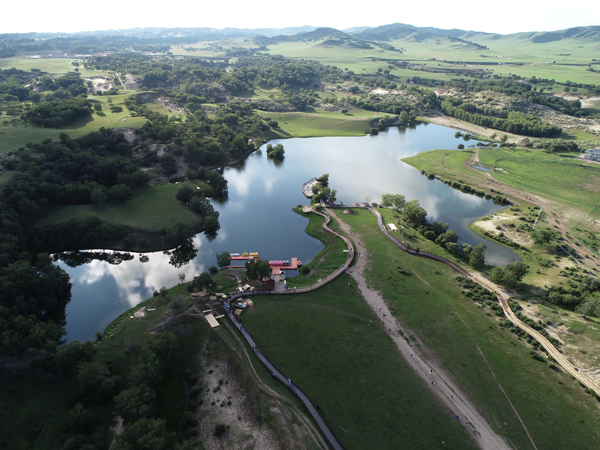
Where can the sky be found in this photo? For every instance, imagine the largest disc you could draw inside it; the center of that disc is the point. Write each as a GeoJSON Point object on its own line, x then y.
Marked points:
{"type": "Point", "coordinates": [504, 17]}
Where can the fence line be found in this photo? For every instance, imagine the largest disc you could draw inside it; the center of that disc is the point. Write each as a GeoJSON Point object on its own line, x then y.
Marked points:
{"type": "Point", "coordinates": [311, 407]}
{"type": "Point", "coordinates": [277, 373]}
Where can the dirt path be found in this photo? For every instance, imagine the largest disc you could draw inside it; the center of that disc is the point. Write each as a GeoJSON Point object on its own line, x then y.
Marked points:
{"type": "Point", "coordinates": [430, 371]}
{"type": "Point", "coordinates": [311, 430]}
{"type": "Point", "coordinates": [451, 122]}
{"type": "Point", "coordinates": [540, 201]}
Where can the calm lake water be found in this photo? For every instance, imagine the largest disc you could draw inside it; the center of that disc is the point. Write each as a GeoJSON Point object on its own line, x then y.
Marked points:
{"type": "Point", "coordinates": [258, 216]}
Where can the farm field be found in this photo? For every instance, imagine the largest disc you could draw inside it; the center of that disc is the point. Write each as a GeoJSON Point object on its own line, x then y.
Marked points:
{"type": "Point", "coordinates": [50, 65]}
{"type": "Point", "coordinates": [355, 59]}
{"type": "Point", "coordinates": [501, 58]}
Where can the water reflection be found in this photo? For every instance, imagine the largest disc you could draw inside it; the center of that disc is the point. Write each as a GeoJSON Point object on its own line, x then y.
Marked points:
{"type": "Point", "coordinates": [257, 217]}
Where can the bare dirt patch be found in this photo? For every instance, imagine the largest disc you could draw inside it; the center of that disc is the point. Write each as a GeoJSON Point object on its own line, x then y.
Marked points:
{"type": "Point", "coordinates": [130, 82]}
{"type": "Point", "coordinates": [500, 220]}
{"type": "Point", "coordinates": [226, 401]}
{"type": "Point", "coordinates": [451, 122]}
{"type": "Point", "coordinates": [100, 84]}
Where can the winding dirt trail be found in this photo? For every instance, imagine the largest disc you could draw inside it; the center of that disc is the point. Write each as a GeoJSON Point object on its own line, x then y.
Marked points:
{"type": "Point", "coordinates": [429, 370]}
{"type": "Point", "coordinates": [548, 209]}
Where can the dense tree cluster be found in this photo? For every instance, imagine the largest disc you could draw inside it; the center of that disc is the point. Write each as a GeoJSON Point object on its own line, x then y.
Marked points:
{"type": "Point", "coordinates": [576, 296]}
{"type": "Point", "coordinates": [57, 113]}
{"type": "Point", "coordinates": [18, 88]}
{"type": "Point", "coordinates": [205, 141]}
{"type": "Point", "coordinates": [514, 87]}
{"type": "Point", "coordinates": [515, 122]}
{"type": "Point", "coordinates": [33, 291]}
{"type": "Point", "coordinates": [275, 152]}
{"type": "Point", "coordinates": [510, 275]}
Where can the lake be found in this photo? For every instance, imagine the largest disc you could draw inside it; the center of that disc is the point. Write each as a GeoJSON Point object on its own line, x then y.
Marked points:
{"type": "Point", "coordinates": [258, 215]}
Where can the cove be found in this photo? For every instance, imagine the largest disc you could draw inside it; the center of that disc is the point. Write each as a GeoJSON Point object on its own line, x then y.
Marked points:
{"type": "Point", "coordinates": [258, 216]}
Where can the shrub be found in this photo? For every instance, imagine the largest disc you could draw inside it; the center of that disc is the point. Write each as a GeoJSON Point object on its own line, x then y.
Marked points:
{"type": "Point", "coordinates": [220, 429]}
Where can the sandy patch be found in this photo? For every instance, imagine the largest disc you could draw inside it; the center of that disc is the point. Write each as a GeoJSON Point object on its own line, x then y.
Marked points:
{"type": "Point", "coordinates": [100, 84]}
{"type": "Point", "coordinates": [130, 82]}
{"type": "Point", "coordinates": [451, 122]}
{"type": "Point", "coordinates": [225, 401]}
{"type": "Point", "coordinates": [379, 91]}
{"type": "Point", "coordinates": [117, 430]}
{"type": "Point", "coordinates": [499, 220]}
{"type": "Point", "coordinates": [129, 134]}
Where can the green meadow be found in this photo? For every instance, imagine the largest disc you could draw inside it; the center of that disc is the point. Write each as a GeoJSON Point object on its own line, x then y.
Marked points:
{"type": "Point", "coordinates": [328, 259]}
{"type": "Point", "coordinates": [13, 136]}
{"type": "Point", "coordinates": [320, 124]}
{"type": "Point", "coordinates": [329, 342]}
{"type": "Point", "coordinates": [152, 209]}
{"type": "Point", "coordinates": [557, 412]}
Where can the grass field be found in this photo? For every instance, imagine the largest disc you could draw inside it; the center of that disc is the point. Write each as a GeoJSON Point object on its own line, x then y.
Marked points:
{"type": "Point", "coordinates": [321, 124]}
{"type": "Point", "coordinates": [531, 170]}
{"type": "Point", "coordinates": [354, 59]}
{"type": "Point", "coordinates": [13, 136]}
{"type": "Point", "coordinates": [151, 209]}
{"type": "Point", "coordinates": [58, 65]}
{"type": "Point", "coordinates": [524, 169]}
{"type": "Point", "coordinates": [328, 259]}
{"type": "Point", "coordinates": [328, 342]}
{"type": "Point", "coordinates": [556, 410]}
{"type": "Point", "coordinates": [510, 55]}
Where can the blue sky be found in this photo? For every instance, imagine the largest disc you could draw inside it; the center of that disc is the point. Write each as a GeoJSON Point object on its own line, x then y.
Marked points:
{"type": "Point", "coordinates": [507, 16]}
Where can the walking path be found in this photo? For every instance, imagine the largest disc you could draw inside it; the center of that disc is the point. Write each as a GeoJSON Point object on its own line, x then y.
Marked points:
{"type": "Point", "coordinates": [503, 297]}
{"type": "Point", "coordinates": [431, 371]}
{"type": "Point", "coordinates": [273, 369]}
{"type": "Point", "coordinates": [282, 378]}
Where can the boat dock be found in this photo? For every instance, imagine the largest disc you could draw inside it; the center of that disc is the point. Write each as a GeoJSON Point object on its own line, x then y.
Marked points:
{"type": "Point", "coordinates": [276, 265]}
{"type": "Point", "coordinates": [307, 187]}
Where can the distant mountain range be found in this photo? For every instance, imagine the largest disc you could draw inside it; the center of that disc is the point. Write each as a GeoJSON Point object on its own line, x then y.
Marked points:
{"type": "Point", "coordinates": [382, 33]}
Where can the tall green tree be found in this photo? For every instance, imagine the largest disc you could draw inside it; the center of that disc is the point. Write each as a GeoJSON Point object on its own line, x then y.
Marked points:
{"type": "Point", "coordinates": [223, 259]}
{"type": "Point", "coordinates": [258, 270]}
{"type": "Point", "coordinates": [136, 403]}
{"type": "Point", "coordinates": [201, 282]}
{"type": "Point", "coordinates": [477, 257]}
{"type": "Point", "coordinates": [394, 201]}
{"type": "Point", "coordinates": [414, 214]}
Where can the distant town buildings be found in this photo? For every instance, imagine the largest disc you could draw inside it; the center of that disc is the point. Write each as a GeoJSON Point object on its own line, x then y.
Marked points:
{"type": "Point", "coordinates": [68, 55]}
{"type": "Point", "coordinates": [592, 155]}
{"type": "Point", "coordinates": [78, 55]}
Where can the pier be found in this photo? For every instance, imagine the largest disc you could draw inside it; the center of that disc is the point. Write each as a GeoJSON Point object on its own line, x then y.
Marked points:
{"type": "Point", "coordinates": [307, 187]}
